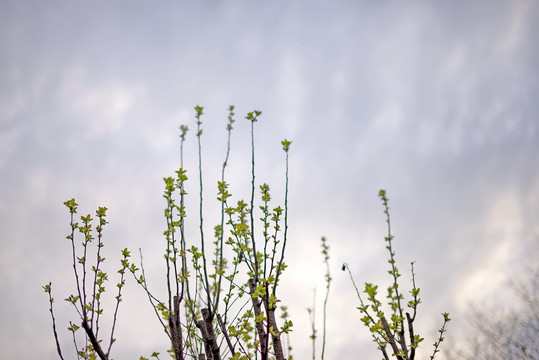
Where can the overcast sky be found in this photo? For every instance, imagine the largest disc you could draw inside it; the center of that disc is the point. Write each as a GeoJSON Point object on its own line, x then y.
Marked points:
{"type": "Point", "coordinates": [434, 101]}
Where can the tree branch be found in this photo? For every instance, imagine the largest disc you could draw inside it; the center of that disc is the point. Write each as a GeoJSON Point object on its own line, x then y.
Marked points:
{"type": "Point", "coordinates": [93, 340]}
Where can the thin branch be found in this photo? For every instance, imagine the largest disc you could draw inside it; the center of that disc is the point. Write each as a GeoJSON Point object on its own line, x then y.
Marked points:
{"type": "Point", "coordinates": [48, 290]}
{"type": "Point", "coordinates": [312, 318]}
{"type": "Point", "coordinates": [118, 298]}
{"type": "Point", "coordinates": [325, 252]}
{"type": "Point", "coordinates": [206, 282]}
{"type": "Point", "coordinates": [252, 117]}
{"type": "Point", "coordinates": [225, 333]}
{"type": "Point", "coordinates": [441, 336]}
{"type": "Point", "coordinates": [286, 148]}
{"type": "Point", "coordinates": [221, 237]}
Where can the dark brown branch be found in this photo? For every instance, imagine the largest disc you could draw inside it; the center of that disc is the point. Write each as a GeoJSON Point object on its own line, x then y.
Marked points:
{"type": "Point", "coordinates": [402, 342]}
{"type": "Point", "coordinates": [175, 329]}
{"type": "Point", "coordinates": [202, 328]}
{"type": "Point", "coordinates": [384, 352]}
{"type": "Point", "coordinates": [259, 325]}
{"type": "Point", "coordinates": [275, 335]}
{"type": "Point", "coordinates": [208, 336]}
{"type": "Point", "coordinates": [93, 340]}
{"type": "Point", "coordinates": [413, 342]}
{"type": "Point", "coordinates": [390, 338]}
{"type": "Point", "coordinates": [225, 333]}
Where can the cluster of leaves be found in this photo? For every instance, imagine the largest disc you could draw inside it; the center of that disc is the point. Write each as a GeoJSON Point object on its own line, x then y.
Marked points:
{"type": "Point", "coordinates": [90, 284]}
{"type": "Point", "coordinates": [230, 300]}
{"type": "Point", "coordinates": [221, 300]}
{"type": "Point", "coordinates": [395, 329]}
{"type": "Point", "coordinates": [211, 299]}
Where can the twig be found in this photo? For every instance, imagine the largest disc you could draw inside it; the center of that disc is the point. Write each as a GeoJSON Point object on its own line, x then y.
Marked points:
{"type": "Point", "coordinates": [441, 336]}
{"type": "Point", "coordinates": [325, 252]}
{"type": "Point", "coordinates": [48, 290]}
{"type": "Point", "coordinates": [225, 333]}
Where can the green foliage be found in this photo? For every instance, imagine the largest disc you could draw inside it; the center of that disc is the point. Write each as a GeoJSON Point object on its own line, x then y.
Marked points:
{"type": "Point", "coordinates": [395, 330]}
{"type": "Point", "coordinates": [87, 301]}
{"type": "Point", "coordinates": [205, 304]}
{"type": "Point", "coordinates": [206, 301]}
{"type": "Point", "coordinates": [221, 296]}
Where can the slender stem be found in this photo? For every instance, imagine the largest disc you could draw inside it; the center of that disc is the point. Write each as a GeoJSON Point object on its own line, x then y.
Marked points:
{"type": "Point", "coordinates": [363, 309]}
{"type": "Point", "coordinates": [251, 211]}
{"type": "Point", "coordinates": [118, 300]}
{"type": "Point", "coordinates": [74, 340]}
{"type": "Point", "coordinates": [51, 300]}
{"type": "Point", "coordinates": [312, 317]}
{"type": "Point", "coordinates": [74, 253]}
{"type": "Point", "coordinates": [325, 251]}
{"type": "Point", "coordinates": [151, 298]}
{"type": "Point", "coordinates": [168, 214]}
{"type": "Point", "coordinates": [286, 147]}
{"type": "Point", "coordinates": [183, 247]}
{"type": "Point", "coordinates": [206, 283]}
{"type": "Point", "coordinates": [221, 237]}
{"type": "Point", "coordinates": [415, 293]}
{"type": "Point", "coordinates": [441, 336]}
{"type": "Point", "coordinates": [394, 270]}
{"type": "Point", "coordinates": [98, 262]}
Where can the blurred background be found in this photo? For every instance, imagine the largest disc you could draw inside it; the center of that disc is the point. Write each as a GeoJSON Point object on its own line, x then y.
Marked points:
{"type": "Point", "coordinates": [436, 102]}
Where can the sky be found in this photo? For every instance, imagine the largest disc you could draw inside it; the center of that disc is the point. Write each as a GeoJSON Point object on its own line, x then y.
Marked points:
{"type": "Point", "coordinates": [436, 102]}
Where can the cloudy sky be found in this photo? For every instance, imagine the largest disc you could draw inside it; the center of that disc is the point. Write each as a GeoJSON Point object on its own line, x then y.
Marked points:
{"type": "Point", "coordinates": [436, 102]}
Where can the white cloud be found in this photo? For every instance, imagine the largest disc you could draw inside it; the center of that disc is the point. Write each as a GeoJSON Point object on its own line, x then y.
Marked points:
{"type": "Point", "coordinates": [11, 105]}
{"type": "Point", "coordinates": [392, 82]}
{"type": "Point", "coordinates": [389, 119]}
{"type": "Point", "coordinates": [290, 89]}
{"type": "Point", "coordinates": [8, 144]}
{"type": "Point", "coordinates": [514, 31]}
{"type": "Point", "coordinates": [503, 230]}
{"type": "Point", "coordinates": [103, 107]}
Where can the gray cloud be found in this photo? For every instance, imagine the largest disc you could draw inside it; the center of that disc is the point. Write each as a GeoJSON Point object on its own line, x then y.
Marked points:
{"type": "Point", "coordinates": [434, 102]}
